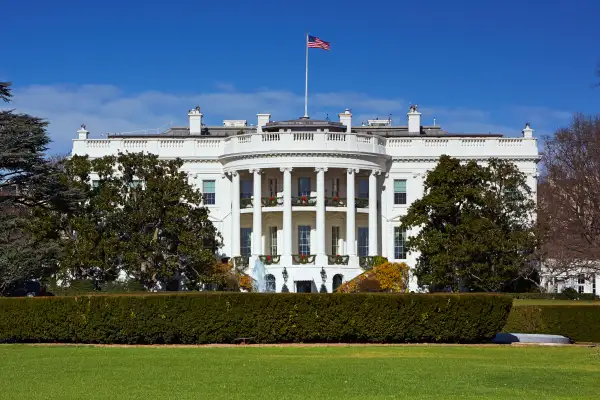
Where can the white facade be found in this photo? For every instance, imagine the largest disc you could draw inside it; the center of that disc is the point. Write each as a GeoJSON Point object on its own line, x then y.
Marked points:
{"type": "Point", "coordinates": [325, 188]}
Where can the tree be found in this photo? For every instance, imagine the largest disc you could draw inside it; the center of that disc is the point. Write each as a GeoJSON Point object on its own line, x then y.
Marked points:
{"type": "Point", "coordinates": [569, 199]}
{"type": "Point", "coordinates": [27, 180]}
{"type": "Point", "coordinates": [475, 226]}
{"type": "Point", "coordinates": [139, 217]}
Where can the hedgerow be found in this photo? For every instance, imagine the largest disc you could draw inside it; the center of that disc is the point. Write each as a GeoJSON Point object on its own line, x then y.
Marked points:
{"type": "Point", "coordinates": [266, 318]}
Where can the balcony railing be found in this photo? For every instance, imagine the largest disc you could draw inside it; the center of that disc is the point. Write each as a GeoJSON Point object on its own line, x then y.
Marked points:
{"type": "Point", "coordinates": [270, 259]}
{"type": "Point", "coordinates": [335, 201]}
{"type": "Point", "coordinates": [272, 201]}
{"type": "Point", "coordinates": [304, 201]}
{"type": "Point", "coordinates": [366, 262]}
{"type": "Point", "coordinates": [303, 258]}
{"type": "Point", "coordinates": [245, 202]}
{"type": "Point", "coordinates": [338, 260]}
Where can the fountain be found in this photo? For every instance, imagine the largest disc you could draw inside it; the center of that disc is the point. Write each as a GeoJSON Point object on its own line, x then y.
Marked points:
{"type": "Point", "coordinates": [258, 276]}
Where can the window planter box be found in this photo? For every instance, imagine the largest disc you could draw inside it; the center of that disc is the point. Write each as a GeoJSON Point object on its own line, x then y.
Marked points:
{"type": "Point", "coordinates": [303, 259]}
{"type": "Point", "coordinates": [272, 201]}
{"type": "Point", "coordinates": [245, 202]}
{"type": "Point", "coordinates": [304, 201]}
{"type": "Point", "coordinates": [335, 201]}
{"type": "Point", "coordinates": [361, 203]}
{"type": "Point", "coordinates": [269, 260]}
{"type": "Point", "coordinates": [338, 260]}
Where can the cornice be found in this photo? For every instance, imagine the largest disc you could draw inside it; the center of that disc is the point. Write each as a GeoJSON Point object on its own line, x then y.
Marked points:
{"type": "Point", "coordinates": [404, 159]}
{"type": "Point", "coordinates": [313, 153]}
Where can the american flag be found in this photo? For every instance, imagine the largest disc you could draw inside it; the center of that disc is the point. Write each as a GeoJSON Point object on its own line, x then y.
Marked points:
{"type": "Point", "coordinates": [316, 43]}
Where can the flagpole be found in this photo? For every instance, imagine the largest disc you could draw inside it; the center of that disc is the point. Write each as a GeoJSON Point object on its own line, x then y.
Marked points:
{"type": "Point", "coordinates": [306, 81]}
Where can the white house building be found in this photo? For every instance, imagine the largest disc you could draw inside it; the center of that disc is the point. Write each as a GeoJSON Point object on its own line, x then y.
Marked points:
{"type": "Point", "coordinates": [313, 199]}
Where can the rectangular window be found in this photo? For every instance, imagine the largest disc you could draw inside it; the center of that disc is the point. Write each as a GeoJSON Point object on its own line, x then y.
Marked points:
{"type": "Point", "coordinates": [594, 284]}
{"type": "Point", "coordinates": [581, 283]}
{"type": "Point", "coordinates": [335, 240]}
{"type": "Point", "coordinates": [304, 240]}
{"type": "Point", "coordinates": [95, 184]}
{"type": "Point", "coordinates": [208, 192]}
{"type": "Point", "coordinates": [363, 242]}
{"type": "Point", "coordinates": [273, 239]}
{"type": "Point", "coordinates": [399, 243]}
{"type": "Point", "coordinates": [245, 189]}
{"type": "Point", "coordinates": [135, 183]}
{"type": "Point", "coordinates": [335, 187]}
{"type": "Point", "coordinates": [245, 242]}
{"type": "Point", "coordinates": [303, 186]}
{"type": "Point", "coordinates": [399, 191]}
{"type": "Point", "coordinates": [363, 188]}
{"type": "Point", "coordinates": [273, 187]}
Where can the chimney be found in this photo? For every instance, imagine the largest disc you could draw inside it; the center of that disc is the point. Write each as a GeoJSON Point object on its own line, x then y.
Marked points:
{"type": "Point", "coordinates": [82, 133]}
{"type": "Point", "coordinates": [414, 120]}
{"type": "Point", "coordinates": [263, 119]}
{"type": "Point", "coordinates": [195, 121]}
{"type": "Point", "coordinates": [527, 132]}
{"type": "Point", "coordinates": [346, 119]}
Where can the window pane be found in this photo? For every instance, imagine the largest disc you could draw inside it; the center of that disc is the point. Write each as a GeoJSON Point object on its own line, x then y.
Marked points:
{"type": "Point", "coordinates": [270, 283]}
{"type": "Point", "coordinates": [245, 242]}
{"type": "Point", "coordinates": [208, 190]}
{"type": "Point", "coordinates": [399, 191]}
{"type": "Point", "coordinates": [337, 281]}
{"type": "Point", "coordinates": [304, 240]}
{"type": "Point", "coordinates": [335, 240]}
{"type": "Point", "coordinates": [245, 189]}
{"type": "Point", "coordinates": [273, 240]}
{"type": "Point", "coordinates": [303, 186]}
{"type": "Point", "coordinates": [399, 243]}
{"type": "Point", "coordinates": [363, 242]}
{"type": "Point", "coordinates": [363, 188]}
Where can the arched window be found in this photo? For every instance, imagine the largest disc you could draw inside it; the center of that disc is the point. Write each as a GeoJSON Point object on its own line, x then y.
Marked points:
{"type": "Point", "coordinates": [337, 281]}
{"type": "Point", "coordinates": [269, 283]}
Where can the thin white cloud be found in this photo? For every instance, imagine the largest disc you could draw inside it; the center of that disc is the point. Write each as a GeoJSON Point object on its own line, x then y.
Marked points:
{"type": "Point", "coordinates": [107, 108]}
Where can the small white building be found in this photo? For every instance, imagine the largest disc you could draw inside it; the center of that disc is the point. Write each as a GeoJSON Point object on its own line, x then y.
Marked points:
{"type": "Point", "coordinates": [313, 199]}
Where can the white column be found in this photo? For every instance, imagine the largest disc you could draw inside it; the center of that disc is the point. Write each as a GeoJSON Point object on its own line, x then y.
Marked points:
{"type": "Point", "coordinates": [235, 214]}
{"type": "Point", "coordinates": [350, 215]}
{"type": "Point", "coordinates": [373, 213]}
{"type": "Point", "coordinates": [321, 258]}
{"type": "Point", "coordinates": [257, 214]}
{"type": "Point", "coordinates": [286, 258]}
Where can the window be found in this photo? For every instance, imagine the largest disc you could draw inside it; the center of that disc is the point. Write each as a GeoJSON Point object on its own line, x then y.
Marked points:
{"type": "Point", "coordinates": [337, 281]}
{"type": "Point", "coordinates": [135, 183]}
{"type": "Point", "coordinates": [304, 240]}
{"type": "Point", "coordinates": [399, 243]}
{"type": "Point", "coordinates": [273, 187]}
{"type": "Point", "coordinates": [273, 240]}
{"type": "Point", "coordinates": [208, 192]}
{"type": "Point", "coordinates": [363, 188]}
{"type": "Point", "coordinates": [245, 242]}
{"type": "Point", "coordinates": [245, 189]}
{"type": "Point", "coordinates": [335, 187]}
{"type": "Point", "coordinates": [95, 184]}
{"type": "Point", "coordinates": [304, 186]}
{"type": "Point", "coordinates": [581, 284]}
{"type": "Point", "coordinates": [335, 240]}
{"type": "Point", "coordinates": [270, 283]}
{"type": "Point", "coordinates": [594, 284]}
{"type": "Point", "coordinates": [363, 242]}
{"type": "Point", "coordinates": [399, 191]}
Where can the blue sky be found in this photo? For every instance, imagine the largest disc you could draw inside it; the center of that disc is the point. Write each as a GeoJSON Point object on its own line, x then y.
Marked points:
{"type": "Point", "coordinates": [476, 66]}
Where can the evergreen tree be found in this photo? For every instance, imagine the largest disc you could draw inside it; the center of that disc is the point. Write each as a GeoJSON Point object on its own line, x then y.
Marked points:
{"type": "Point", "coordinates": [475, 226]}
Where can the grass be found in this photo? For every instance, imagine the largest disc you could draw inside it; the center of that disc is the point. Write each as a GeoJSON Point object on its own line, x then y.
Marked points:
{"type": "Point", "coordinates": [348, 372]}
{"type": "Point", "coordinates": [536, 302]}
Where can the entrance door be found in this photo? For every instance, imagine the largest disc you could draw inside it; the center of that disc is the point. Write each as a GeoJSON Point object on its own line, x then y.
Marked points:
{"type": "Point", "coordinates": [303, 286]}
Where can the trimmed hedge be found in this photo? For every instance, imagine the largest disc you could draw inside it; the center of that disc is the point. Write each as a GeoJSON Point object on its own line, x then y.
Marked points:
{"type": "Point", "coordinates": [580, 323]}
{"type": "Point", "coordinates": [267, 318]}
{"type": "Point", "coordinates": [552, 296]}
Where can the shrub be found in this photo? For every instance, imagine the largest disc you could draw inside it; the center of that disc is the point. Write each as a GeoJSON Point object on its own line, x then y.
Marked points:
{"type": "Point", "coordinates": [368, 285]}
{"type": "Point", "coordinates": [580, 323]}
{"type": "Point", "coordinates": [551, 296]}
{"type": "Point", "coordinates": [220, 317]}
{"type": "Point", "coordinates": [379, 260]}
{"type": "Point", "coordinates": [391, 277]}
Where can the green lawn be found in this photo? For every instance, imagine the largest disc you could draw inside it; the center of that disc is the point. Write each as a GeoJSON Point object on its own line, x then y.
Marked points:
{"type": "Point", "coordinates": [352, 372]}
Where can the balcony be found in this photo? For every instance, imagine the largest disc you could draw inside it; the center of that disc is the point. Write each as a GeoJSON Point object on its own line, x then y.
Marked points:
{"type": "Point", "coordinates": [366, 262]}
{"type": "Point", "coordinates": [306, 201]}
{"type": "Point", "coordinates": [336, 201]}
{"type": "Point", "coordinates": [272, 201]}
{"type": "Point", "coordinates": [337, 260]}
{"type": "Point", "coordinates": [303, 259]}
{"type": "Point", "coordinates": [270, 259]}
{"type": "Point", "coordinates": [361, 202]}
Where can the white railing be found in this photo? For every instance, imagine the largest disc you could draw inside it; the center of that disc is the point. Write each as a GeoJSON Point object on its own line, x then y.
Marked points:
{"type": "Point", "coordinates": [311, 141]}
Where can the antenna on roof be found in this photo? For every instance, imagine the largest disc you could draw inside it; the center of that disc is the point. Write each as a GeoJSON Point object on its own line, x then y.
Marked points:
{"type": "Point", "coordinates": [327, 118]}
{"type": "Point", "coordinates": [390, 119]}
{"type": "Point", "coordinates": [433, 121]}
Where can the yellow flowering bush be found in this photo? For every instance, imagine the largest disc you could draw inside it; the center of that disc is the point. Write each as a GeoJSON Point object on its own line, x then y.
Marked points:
{"type": "Point", "coordinates": [392, 278]}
